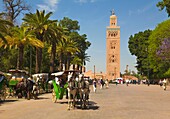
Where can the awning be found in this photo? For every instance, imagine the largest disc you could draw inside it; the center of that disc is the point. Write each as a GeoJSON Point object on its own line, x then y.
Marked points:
{"type": "Point", "coordinates": [57, 73]}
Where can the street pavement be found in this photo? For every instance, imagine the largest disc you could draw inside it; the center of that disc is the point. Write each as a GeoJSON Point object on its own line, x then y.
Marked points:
{"type": "Point", "coordinates": [117, 102]}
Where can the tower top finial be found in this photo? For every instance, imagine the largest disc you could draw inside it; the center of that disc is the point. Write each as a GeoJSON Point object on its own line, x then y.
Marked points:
{"type": "Point", "coordinates": [112, 12]}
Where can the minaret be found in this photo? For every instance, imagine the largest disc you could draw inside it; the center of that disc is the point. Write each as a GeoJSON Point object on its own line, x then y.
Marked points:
{"type": "Point", "coordinates": [113, 48]}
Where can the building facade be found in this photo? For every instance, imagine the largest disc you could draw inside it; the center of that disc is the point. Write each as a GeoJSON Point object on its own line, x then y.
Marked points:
{"type": "Point", "coordinates": [113, 49]}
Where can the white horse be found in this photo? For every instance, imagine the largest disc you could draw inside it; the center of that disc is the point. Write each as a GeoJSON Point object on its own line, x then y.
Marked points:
{"type": "Point", "coordinates": [72, 91]}
{"type": "Point", "coordinates": [84, 90]}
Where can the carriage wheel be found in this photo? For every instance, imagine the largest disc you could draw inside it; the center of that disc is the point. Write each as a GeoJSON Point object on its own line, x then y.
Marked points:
{"type": "Point", "coordinates": [54, 98]}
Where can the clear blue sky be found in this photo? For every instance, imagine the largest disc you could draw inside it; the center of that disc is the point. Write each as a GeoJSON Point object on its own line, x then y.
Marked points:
{"type": "Point", "coordinates": [93, 16]}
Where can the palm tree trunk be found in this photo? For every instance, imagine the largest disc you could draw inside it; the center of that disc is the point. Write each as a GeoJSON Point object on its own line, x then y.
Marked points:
{"type": "Point", "coordinates": [38, 60]}
{"type": "Point", "coordinates": [61, 63]}
{"type": "Point", "coordinates": [52, 59]}
{"type": "Point", "coordinates": [74, 67]}
{"type": "Point", "coordinates": [20, 57]}
{"type": "Point", "coordinates": [78, 67]}
{"type": "Point", "coordinates": [81, 69]}
{"type": "Point", "coordinates": [68, 62]}
{"type": "Point", "coordinates": [39, 55]}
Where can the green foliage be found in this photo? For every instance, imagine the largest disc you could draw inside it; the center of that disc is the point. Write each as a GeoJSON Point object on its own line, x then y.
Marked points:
{"type": "Point", "coordinates": [138, 46]}
{"type": "Point", "coordinates": [61, 40]}
{"type": "Point", "coordinates": [164, 4]}
{"type": "Point", "coordinates": [167, 73]}
{"type": "Point", "coordinates": [81, 41]}
{"type": "Point", "coordinates": [8, 59]}
{"type": "Point", "coordinates": [46, 58]}
{"type": "Point", "coordinates": [156, 39]}
{"type": "Point", "coordinates": [71, 25]}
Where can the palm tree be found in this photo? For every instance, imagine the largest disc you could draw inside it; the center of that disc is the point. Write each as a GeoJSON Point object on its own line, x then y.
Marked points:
{"type": "Point", "coordinates": [57, 32]}
{"type": "Point", "coordinates": [66, 49]}
{"type": "Point", "coordinates": [82, 45]}
{"type": "Point", "coordinates": [76, 61]}
{"type": "Point", "coordinates": [4, 29]}
{"type": "Point", "coordinates": [21, 37]}
{"type": "Point", "coordinates": [84, 57]}
{"type": "Point", "coordinates": [40, 23]}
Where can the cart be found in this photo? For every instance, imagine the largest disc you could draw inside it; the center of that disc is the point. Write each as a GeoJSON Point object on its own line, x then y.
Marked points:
{"type": "Point", "coordinates": [16, 77]}
{"type": "Point", "coordinates": [3, 86]}
{"type": "Point", "coordinates": [41, 79]}
{"type": "Point", "coordinates": [58, 90]}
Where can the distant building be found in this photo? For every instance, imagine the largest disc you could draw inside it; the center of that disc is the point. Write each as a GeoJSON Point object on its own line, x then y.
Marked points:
{"type": "Point", "coordinates": [113, 49]}
{"type": "Point", "coordinates": [92, 75]}
{"type": "Point", "coordinates": [112, 52]}
{"type": "Point", "coordinates": [128, 77]}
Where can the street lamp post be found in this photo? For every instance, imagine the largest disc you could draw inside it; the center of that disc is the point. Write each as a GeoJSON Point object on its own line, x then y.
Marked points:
{"type": "Point", "coordinates": [94, 71]}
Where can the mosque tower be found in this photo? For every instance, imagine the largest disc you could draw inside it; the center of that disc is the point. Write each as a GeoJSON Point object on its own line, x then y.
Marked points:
{"type": "Point", "coordinates": [113, 48]}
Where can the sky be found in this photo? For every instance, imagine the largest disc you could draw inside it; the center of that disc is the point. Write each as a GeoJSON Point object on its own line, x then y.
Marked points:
{"type": "Point", "coordinates": [93, 17]}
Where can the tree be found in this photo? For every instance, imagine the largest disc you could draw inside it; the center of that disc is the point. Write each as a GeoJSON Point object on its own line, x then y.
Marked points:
{"type": "Point", "coordinates": [21, 37]}
{"type": "Point", "coordinates": [40, 23]}
{"type": "Point", "coordinates": [66, 49]}
{"type": "Point", "coordinates": [4, 29]}
{"type": "Point", "coordinates": [5, 53]}
{"type": "Point", "coordinates": [138, 46]}
{"type": "Point", "coordinates": [14, 8]}
{"type": "Point", "coordinates": [82, 43]}
{"type": "Point", "coordinates": [159, 49]}
{"type": "Point", "coordinates": [71, 25]}
{"type": "Point", "coordinates": [57, 33]}
{"type": "Point", "coordinates": [164, 4]}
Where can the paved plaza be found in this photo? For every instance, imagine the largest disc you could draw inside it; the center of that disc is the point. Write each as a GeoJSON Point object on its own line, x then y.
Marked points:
{"type": "Point", "coordinates": [117, 102]}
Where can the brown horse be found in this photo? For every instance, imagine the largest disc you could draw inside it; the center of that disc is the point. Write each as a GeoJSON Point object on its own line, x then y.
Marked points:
{"type": "Point", "coordinates": [25, 88]}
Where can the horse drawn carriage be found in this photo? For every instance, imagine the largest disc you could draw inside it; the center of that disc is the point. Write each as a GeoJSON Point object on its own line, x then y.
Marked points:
{"type": "Point", "coordinates": [72, 84]}
{"type": "Point", "coordinates": [3, 86]}
{"type": "Point", "coordinates": [21, 85]}
{"type": "Point", "coordinates": [59, 85]}
{"type": "Point", "coordinates": [41, 79]}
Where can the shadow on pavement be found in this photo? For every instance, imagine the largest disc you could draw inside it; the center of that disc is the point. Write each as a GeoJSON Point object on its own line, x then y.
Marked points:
{"type": "Point", "coordinates": [8, 101]}
{"type": "Point", "coordinates": [42, 98]}
{"type": "Point", "coordinates": [92, 105]}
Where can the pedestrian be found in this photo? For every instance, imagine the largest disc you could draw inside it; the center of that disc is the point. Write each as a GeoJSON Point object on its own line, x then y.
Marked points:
{"type": "Point", "coordinates": [127, 82]}
{"type": "Point", "coordinates": [164, 84]}
{"type": "Point", "coordinates": [101, 83]}
{"type": "Point", "coordinates": [94, 85]}
{"type": "Point", "coordinates": [160, 82]}
{"type": "Point", "coordinates": [116, 82]}
{"type": "Point", "coordinates": [148, 82]}
{"type": "Point", "coordinates": [107, 83]}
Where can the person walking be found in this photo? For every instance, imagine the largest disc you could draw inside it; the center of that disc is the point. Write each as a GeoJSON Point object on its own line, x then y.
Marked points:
{"type": "Point", "coordinates": [148, 82]}
{"type": "Point", "coordinates": [107, 83]}
{"type": "Point", "coordinates": [127, 82]}
{"type": "Point", "coordinates": [101, 83]}
{"type": "Point", "coordinates": [160, 82]}
{"type": "Point", "coordinates": [94, 85]}
{"type": "Point", "coordinates": [164, 84]}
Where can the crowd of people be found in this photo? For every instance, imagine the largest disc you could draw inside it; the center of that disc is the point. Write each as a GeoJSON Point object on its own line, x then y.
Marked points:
{"type": "Point", "coordinates": [105, 83]}
{"type": "Point", "coordinates": [102, 83]}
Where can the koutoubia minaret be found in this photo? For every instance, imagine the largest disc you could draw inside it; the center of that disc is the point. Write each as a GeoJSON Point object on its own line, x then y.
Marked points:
{"type": "Point", "coordinates": [113, 48]}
